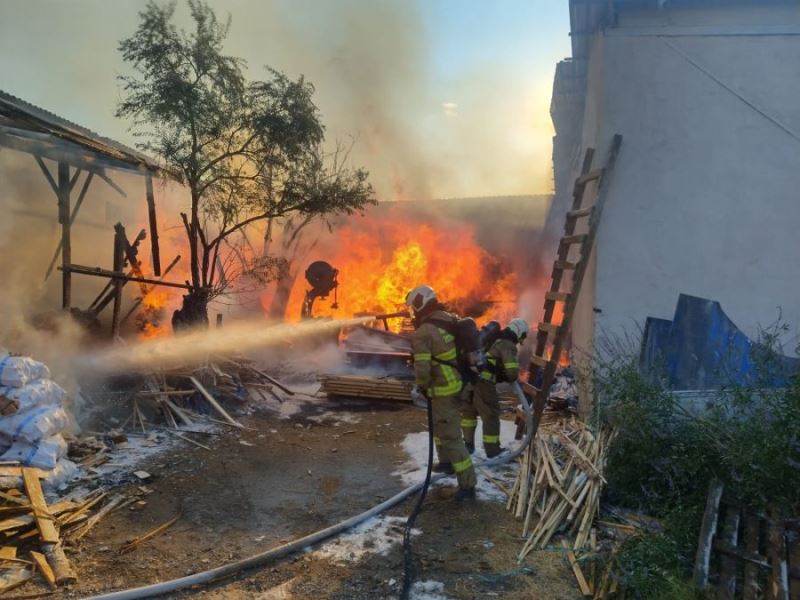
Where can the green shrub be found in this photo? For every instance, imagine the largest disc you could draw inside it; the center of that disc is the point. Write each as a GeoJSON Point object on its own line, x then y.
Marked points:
{"type": "Point", "coordinates": [664, 457]}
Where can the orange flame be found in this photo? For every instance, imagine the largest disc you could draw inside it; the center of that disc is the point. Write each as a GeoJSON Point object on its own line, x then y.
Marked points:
{"type": "Point", "coordinates": [381, 259]}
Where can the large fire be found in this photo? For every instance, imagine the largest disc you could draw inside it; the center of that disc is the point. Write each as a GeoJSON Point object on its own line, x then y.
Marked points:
{"type": "Point", "coordinates": [379, 260]}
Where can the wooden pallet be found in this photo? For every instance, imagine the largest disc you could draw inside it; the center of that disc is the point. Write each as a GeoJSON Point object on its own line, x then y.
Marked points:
{"type": "Point", "coordinates": [744, 554]}
{"type": "Point", "coordinates": [350, 386]}
{"type": "Point", "coordinates": [564, 291]}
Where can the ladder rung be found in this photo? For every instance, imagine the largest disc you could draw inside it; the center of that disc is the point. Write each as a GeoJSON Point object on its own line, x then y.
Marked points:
{"type": "Point", "coordinates": [557, 296]}
{"type": "Point", "coordinates": [590, 176]}
{"type": "Point", "coordinates": [581, 212]}
{"type": "Point", "coordinates": [539, 361]}
{"type": "Point", "coordinates": [574, 239]}
{"type": "Point", "coordinates": [548, 327]}
{"type": "Point", "coordinates": [564, 265]}
{"type": "Point", "coordinates": [529, 389]}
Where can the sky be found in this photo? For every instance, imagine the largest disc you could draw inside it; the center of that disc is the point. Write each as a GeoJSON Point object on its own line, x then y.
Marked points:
{"type": "Point", "coordinates": [441, 98]}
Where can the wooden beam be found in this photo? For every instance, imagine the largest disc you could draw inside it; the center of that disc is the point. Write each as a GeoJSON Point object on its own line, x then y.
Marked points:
{"type": "Point", "coordinates": [101, 173]}
{"type": "Point", "coordinates": [44, 520]}
{"type": "Point", "coordinates": [47, 174]}
{"type": "Point", "coordinates": [81, 196]}
{"type": "Point", "coordinates": [98, 272]}
{"type": "Point", "coordinates": [120, 241]}
{"type": "Point", "coordinates": [151, 212]}
{"type": "Point", "coordinates": [74, 179]}
{"type": "Point", "coordinates": [66, 236]}
{"type": "Point", "coordinates": [708, 532]}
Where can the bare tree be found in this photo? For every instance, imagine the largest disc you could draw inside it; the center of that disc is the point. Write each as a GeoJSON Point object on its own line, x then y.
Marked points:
{"type": "Point", "coordinates": [248, 151]}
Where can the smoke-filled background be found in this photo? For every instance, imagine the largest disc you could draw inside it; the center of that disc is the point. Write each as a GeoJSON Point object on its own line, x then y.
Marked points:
{"type": "Point", "coordinates": [445, 98]}
{"type": "Point", "coordinates": [440, 99]}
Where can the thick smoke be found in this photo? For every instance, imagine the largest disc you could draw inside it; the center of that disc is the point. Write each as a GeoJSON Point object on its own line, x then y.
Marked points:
{"type": "Point", "coordinates": [421, 130]}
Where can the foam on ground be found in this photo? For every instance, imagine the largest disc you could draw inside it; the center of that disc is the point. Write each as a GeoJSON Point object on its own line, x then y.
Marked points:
{"type": "Point", "coordinates": [416, 447]}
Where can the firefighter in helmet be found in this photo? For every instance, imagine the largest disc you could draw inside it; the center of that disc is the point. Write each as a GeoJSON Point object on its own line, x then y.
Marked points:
{"type": "Point", "coordinates": [502, 365]}
{"type": "Point", "coordinates": [437, 377]}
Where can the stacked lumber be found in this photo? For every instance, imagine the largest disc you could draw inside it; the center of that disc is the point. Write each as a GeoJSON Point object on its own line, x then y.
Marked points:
{"type": "Point", "coordinates": [374, 388]}
{"type": "Point", "coordinates": [33, 533]}
{"type": "Point", "coordinates": [558, 486]}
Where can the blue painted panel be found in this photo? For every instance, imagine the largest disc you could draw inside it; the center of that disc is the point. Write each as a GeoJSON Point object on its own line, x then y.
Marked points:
{"type": "Point", "coordinates": [701, 348]}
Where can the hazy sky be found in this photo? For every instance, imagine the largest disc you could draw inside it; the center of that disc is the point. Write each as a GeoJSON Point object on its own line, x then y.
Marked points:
{"type": "Point", "coordinates": [444, 97]}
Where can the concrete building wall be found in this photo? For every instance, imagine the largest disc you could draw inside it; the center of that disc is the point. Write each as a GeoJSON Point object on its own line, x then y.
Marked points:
{"type": "Point", "coordinates": [705, 199]}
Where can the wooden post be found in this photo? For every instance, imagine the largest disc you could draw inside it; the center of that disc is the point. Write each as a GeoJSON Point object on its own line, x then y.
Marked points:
{"type": "Point", "coordinates": [66, 242]}
{"type": "Point", "coordinates": [219, 320]}
{"type": "Point", "coordinates": [730, 536]}
{"type": "Point", "coordinates": [151, 211]}
{"type": "Point", "coordinates": [708, 532]}
{"type": "Point", "coordinates": [751, 535]}
{"type": "Point", "coordinates": [119, 265]}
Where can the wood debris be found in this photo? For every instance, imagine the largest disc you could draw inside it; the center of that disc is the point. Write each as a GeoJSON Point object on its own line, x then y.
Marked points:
{"type": "Point", "coordinates": [558, 486]}
{"type": "Point", "coordinates": [374, 388]}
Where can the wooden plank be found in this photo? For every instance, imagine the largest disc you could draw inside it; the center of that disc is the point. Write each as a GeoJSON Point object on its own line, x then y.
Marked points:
{"type": "Point", "coordinates": [749, 557]}
{"type": "Point", "coordinates": [149, 535]}
{"type": "Point", "coordinates": [574, 239]}
{"type": "Point", "coordinates": [549, 327]}
{"type": "Point", "coordinates": [120, 242]}
{"type": "Point", "coordinates": [59, 563]}
{"type": "Point", "coordinates": [778, 586]}
{"type": "Point", "coordinates": [86, 182]}
{"type": "Point", "coordinates": [793, 552]}
{"type": "Point", "coordinates": [564, 265]}
{"type": "Point", "coordinates": [751, 535]}
{"type": "Point", "coordinates": [98, 272]}
{"type": "Point", "coordinates": [726, 590]}
{"type": "Point", "coordinates": [708, 531]}
{"type": "Point", "coordinates": [47, 174]}
{"type": "Point", "coordinates": [586, 591]}
{"type": "Point", "coordinates": [212, 401]}
{"type": "Point", "coordinates": [590, 176]}
{"type": "Point", "coordinates": [580, 212]}
{"type": "Point", "coordinates": [44, 520]}
{"type": "Point", "coordinates": [8, 552]}
{"type": "Point", "coordinates": [539, 361]}
{"type": "Point", "coordinates": [66, 235]}
{"type": "Point", "coordinates": [556, 296]}
{"type": "Point", "coordinates": [155, 253]}
{"type": "Point", "coordinates": [41, 564]}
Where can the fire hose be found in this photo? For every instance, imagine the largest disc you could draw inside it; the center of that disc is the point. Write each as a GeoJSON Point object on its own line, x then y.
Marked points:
{"type": "Point", "coordinates": [262, 558]}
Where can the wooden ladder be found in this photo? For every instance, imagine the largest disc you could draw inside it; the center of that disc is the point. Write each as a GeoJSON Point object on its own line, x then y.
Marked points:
{"type": "Point", "coordinates": [543, 366]}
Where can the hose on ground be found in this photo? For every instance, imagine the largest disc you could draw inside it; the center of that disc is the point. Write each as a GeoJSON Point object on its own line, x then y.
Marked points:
{"type": "Point", "coordinates": [262, 558]}
{"type": "Point", "coordinates": [408, 557]}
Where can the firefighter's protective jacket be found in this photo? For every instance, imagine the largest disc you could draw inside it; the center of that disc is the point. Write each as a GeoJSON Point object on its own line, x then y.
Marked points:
{"type": "Point", "coordinates": [433, 348]}
{"type": "Point", "coordinates": [502, 357]}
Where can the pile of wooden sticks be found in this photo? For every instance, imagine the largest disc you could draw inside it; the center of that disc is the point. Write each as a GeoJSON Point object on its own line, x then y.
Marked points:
{"type": "Point", "coordinates": [558, 486]}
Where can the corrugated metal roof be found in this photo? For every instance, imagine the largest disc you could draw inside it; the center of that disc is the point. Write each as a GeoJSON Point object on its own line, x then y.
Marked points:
{"type": "Point", "coordinates": [24, 123]}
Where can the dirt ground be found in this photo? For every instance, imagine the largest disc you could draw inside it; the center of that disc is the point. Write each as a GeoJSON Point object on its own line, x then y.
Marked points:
{"type": "Point", "coordinates": [286, 477]}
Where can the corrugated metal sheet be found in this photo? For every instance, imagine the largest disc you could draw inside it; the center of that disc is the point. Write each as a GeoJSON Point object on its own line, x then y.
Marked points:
{"type": "Point", "coordinates": [29, 123]}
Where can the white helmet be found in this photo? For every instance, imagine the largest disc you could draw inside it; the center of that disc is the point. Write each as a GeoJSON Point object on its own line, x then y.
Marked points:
{"type": "Point", "coordinates": [420, 297]}
{"type": "Point", "coordinates": [520, 328]}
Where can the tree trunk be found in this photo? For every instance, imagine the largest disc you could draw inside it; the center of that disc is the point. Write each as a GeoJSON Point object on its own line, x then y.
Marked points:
{"type": "Point", "coordinates": [194, 234]}
{"type": "Point", "coordinates": [194, 311]}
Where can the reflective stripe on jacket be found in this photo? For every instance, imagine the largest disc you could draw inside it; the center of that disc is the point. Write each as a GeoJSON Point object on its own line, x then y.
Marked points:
{"type": "Point", "coordinates": [430, 346]}
{"type": "Point", "coordinates": [502, 354]}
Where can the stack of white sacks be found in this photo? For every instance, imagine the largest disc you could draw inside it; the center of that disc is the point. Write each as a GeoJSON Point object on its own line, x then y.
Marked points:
{"type": "Point", "coordinates": [32, 435]}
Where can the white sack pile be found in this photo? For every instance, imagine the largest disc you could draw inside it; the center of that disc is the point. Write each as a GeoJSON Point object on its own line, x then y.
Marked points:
{"type": "Point", "coordinates": [33, 419]}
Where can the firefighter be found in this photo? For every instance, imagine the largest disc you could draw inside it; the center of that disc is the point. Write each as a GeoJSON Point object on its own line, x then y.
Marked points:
{"type": "Point", "coordinates": [438, 379]}
{"type": "Point", "coordinates": [502, 365]}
